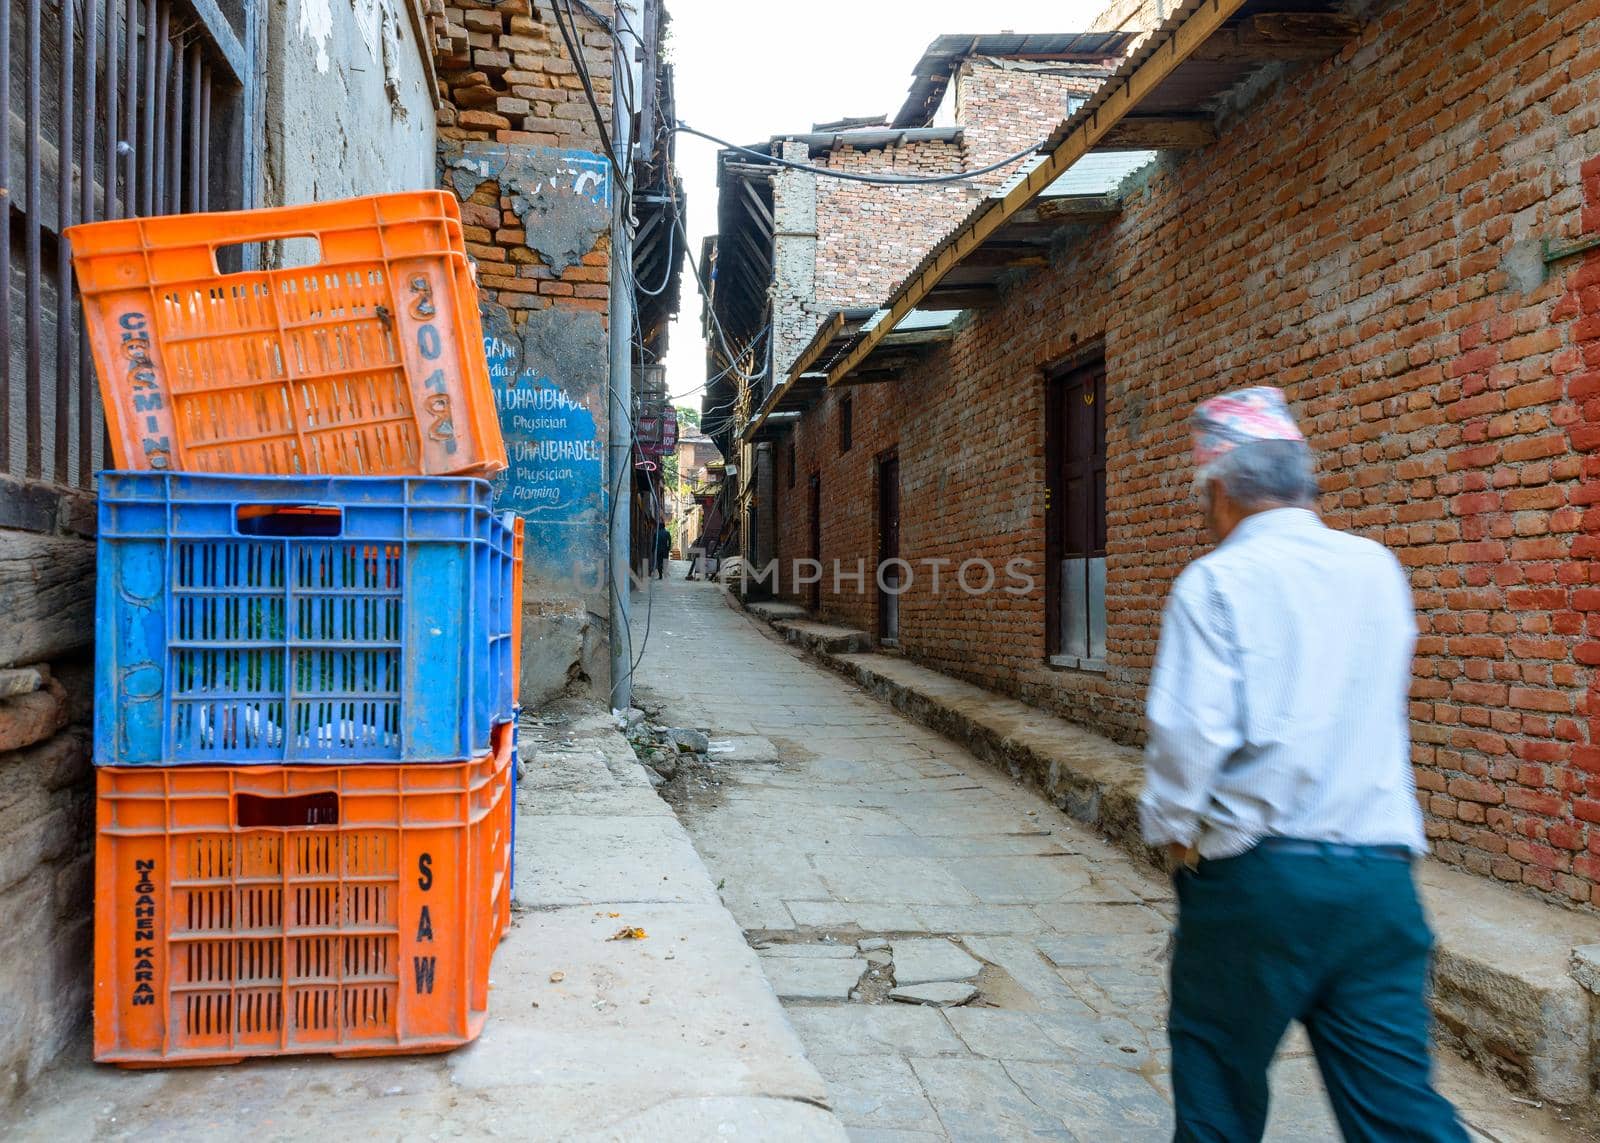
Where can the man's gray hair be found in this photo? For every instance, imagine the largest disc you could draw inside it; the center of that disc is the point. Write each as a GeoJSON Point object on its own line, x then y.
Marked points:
{"type": "Point", "coordinates": [1261, 474]}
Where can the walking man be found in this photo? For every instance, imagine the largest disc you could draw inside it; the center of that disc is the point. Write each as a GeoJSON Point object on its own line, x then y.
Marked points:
{"type": "Point", "coordinates": [663, 549]}
{"type": "Point", "coordinates": [1278, 777]}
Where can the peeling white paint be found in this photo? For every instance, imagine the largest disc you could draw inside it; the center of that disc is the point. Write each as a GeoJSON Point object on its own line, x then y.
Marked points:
{"type": "Point", "coordinates": [369, 15]}
{"type": "Point", "coordinates": [315, 22]}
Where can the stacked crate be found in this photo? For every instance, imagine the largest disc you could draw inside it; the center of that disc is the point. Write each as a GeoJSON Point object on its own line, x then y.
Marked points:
{"type": "Point", "coordinates": [308, 618]}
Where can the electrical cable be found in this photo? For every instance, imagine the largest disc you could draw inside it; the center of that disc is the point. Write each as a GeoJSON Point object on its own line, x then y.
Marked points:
{"type": "Point", "coordinates": [709, 381]}
{"type": "Point", "coordinates": [666, 278]}
{"type": "Point", "coordinates": [851, 176]}
{"type": "Point", "coordinates": [705, 293]}
{"type": "Point", "coordinates": [569, 37]}
{"type": "Point", "coordinates": [622, 175]}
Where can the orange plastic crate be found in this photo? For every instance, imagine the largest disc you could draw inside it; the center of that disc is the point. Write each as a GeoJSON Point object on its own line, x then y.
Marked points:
{"type": "Point", "coordinates": [369, 362]}
{"type": "Point", "coordinates": [263, 911]}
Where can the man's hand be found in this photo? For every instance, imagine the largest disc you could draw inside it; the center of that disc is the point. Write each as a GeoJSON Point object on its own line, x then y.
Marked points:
{"type": "Point", "coordinates": [1177, 854]}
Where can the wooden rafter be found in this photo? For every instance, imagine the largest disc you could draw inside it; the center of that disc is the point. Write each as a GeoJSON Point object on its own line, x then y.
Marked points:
{"type": "Point", "coordinates": [1075, 208]}
{"type": "Point", "coordinates": [758, 209]}
{"type": "Point", "coordinates": [1159, 133]}
{"type": "Point", "coordinates": [976, 296]}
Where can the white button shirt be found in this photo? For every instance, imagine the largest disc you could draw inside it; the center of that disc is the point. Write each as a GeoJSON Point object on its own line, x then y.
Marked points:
{"type": "Point", "coordinates": [1278, 703]}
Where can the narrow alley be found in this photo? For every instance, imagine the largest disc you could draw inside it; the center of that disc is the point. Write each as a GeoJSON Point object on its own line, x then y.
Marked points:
{"type": "Point", "coordinates": [869, 860]}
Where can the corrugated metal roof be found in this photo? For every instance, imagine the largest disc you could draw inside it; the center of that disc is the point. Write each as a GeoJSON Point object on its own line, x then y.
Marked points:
{"type": "Point", "coordinates": [871, 138]}
{"type": "Point", "coordinates": [1099, 172]}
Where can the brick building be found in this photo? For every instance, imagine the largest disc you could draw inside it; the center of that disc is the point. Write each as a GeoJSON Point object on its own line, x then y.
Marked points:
{"type": "Point", "coordinates": [794, 249]}
{"type": "Point", "coordinates": [1385, 215]}
{"type": "Point", "coordinates": [520, 142]}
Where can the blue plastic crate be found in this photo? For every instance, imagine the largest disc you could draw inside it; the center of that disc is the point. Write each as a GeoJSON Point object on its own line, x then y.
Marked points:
{"type": "Point", "coordinates": [264, 619]}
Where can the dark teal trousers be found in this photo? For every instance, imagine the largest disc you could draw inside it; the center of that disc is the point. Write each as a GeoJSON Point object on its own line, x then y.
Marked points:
{"type": "Point", "coordinates": [1331, 936]}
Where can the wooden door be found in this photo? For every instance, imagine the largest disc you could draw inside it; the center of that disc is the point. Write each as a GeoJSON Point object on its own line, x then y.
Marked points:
{"type": "Point", "coordinates": [816, 539]}
{"type": "Point", "coordinates": [888, 549]}
{"type": "Point", "coordinates": [1075, 516]}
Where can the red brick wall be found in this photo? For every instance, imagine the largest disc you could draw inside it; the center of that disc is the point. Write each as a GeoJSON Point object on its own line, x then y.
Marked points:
{"type": "Point", "coordinates": [1004, 111]}
{"type": "Point", "coordinates": [505, 76]}
{"type": "Point", "coordinates": [1543, 799]}
{"type": "Point", "coordinates": [869, 236]}
{"type": "Point", "coordinates": [1344, 239]}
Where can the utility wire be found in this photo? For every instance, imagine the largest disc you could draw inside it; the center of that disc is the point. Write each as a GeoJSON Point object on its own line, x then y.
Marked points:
{"type": "Point", "coordinates": [667, 276]}
{"type": "Point", "coordinates": [851, 176]}
{"type": "Point", "coordinates": [570, 38]}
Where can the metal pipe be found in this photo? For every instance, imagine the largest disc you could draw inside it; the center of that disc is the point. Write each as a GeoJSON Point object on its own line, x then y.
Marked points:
{"type": "Point", "coordinates": [112, 93]}
{"type": "Point", "coordinates": [175, 119]}
{"type": "Point", "coordinates": [205, 138]}
{"type": "Point", "coordinates": [33, 335]}
{"type": "Point", "coordinates": [65, 326]}
{"type": "Point", "coordinates": [86, 213]}
{"type": "Point", "coordinates": [158, 142]}
{"type": "Point", "coordinates": [130, 107]}
{"type": "Point", "coordinates": [6, 202]}
{"type": "Point", "coordinates": [620, 417]}
{"type": "Point", "coordinates": [147, 133]}
{"type": "Point", "coordinates": [194, 127]}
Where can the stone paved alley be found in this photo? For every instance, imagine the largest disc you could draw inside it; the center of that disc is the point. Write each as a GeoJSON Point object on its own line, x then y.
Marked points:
{"type": "Point", "coordinates": [857, 829]}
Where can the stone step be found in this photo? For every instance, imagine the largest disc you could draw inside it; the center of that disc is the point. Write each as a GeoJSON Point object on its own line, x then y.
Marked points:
{"type": "Point", "coordinates": [823, 637]}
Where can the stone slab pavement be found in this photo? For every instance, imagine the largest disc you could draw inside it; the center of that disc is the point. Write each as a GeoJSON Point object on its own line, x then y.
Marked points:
{"type": "Point", "coordinates": [864, 845]}
{"type": "Point", "coordinates": [676, 1036]}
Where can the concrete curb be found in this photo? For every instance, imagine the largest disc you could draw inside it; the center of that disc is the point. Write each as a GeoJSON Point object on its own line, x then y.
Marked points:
{"type": "Point", "coordinates": [1504, 990]}
{"type": "Point", "coordinates": [675, 1033]}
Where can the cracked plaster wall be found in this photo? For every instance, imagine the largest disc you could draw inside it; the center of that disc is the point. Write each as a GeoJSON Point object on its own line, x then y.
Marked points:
{"type": "Point", "coordinates": [537, 223]}
{"type": "Point", "coordinates": [348, 104]}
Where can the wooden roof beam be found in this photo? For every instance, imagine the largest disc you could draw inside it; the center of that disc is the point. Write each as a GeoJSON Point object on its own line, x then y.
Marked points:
{"type": "Point", "coordinates": [1159, 133]}
{"type": "Point", "coordinates": [921, 336]}
{"type": "Point", "coordinates": [876, 374]}
{"type": "Point", "coordinates": [1068, 209]}
{"type": "Point", "coordinates": [797, 372]}
{"type": "Point", "coordinates": [758, 209]}
{"type": "Point", "coordinates": [1282, 36]}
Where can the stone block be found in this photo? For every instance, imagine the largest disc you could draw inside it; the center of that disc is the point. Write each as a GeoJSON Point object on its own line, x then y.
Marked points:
{"type": "Point", "coordinates": [29, 718]}
{"type": "Point", "coordinates": [935, 994]}
{"type": "Point", "coordinates": [1586, 967]}
{"type": "Point", "coordinates": [927, 959]}
{"type": "Point", "coordinates": [22, 680]}
{"type": "Point", "coordinates": [477, 95]}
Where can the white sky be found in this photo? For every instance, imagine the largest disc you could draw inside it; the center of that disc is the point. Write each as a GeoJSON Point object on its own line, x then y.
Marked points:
{"type": "Point", "coordinates": [749, 69]}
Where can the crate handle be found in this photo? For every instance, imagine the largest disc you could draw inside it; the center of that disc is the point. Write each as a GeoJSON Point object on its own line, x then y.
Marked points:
{"type": "Point", "coordinates": [312, 520]}
{"type": "Point", "coordinates": [239, 243]}
{"type": "Point", "coordinates": [293, 811]}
